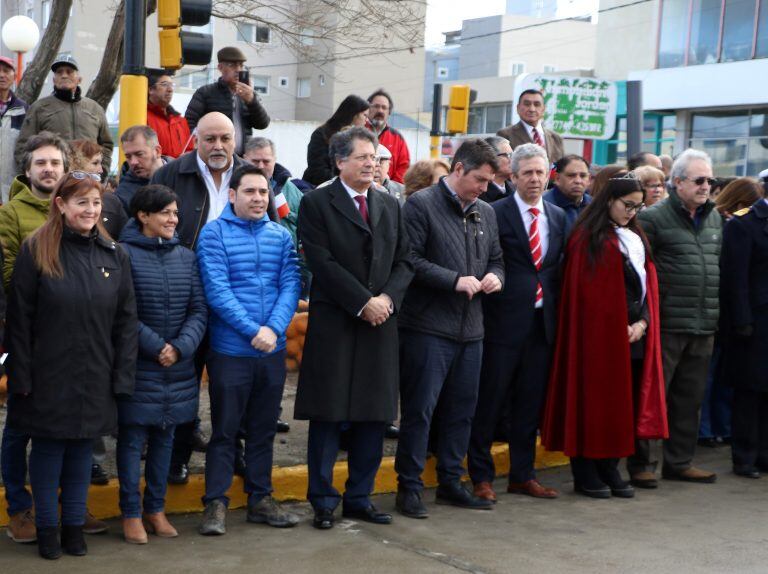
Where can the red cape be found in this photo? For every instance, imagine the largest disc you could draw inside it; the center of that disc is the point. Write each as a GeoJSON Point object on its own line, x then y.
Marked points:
{"type": "Point", "coordinates": [592, 410]}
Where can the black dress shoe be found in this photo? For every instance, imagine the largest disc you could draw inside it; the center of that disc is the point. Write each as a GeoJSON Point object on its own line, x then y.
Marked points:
{"type": "Point", "coordinates": [408, 503]}
{"type": "Point", "coordinates": [369, 514]}
{"type": "Point", "coordinates": [392, 432]}
{"type": "Point", "coordinates": [455, 494]}
{"type": "Point", "coordinates": [98, 476]}
{"type": "Point", "coordinates": [178, 474]}
{"type": "Point", "coordinates": [199, 440]}
{"type": "Point", "coordinates": [282, 426]}
{"type": "Point", "coordinates": [323, 519]}
{"type": "Point", "coordinates": [603, 491]}
{"type": "Point", "coordinates": [48, 545]}
{"type": "Point", "coordinates": [746, 471]}
{"type": "Point", "coordinates": [73, 541]}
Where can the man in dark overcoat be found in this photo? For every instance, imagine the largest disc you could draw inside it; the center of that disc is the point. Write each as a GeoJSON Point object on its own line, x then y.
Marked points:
{"type": "Point", "coordinates": [355, 246]}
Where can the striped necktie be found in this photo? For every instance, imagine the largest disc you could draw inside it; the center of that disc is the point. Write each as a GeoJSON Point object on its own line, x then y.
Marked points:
{"type": "Point", "coordinates": [534, 239]}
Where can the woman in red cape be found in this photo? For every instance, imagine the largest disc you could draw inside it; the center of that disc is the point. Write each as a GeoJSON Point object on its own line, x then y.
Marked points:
{"type": "Point", "coordinates": [606, 389]}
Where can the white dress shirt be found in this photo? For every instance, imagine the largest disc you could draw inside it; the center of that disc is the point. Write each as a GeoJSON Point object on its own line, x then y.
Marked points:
{"type": "Point", "coordinates": [217, 197]}
{"type": "Point", "coordinates": [353, 194]}
{"type": "Point", "coordinates": [530, 129]}
{"type": "Point", "coordinates": [543, 227]}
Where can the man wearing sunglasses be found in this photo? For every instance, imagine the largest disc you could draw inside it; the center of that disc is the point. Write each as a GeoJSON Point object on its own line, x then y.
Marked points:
{"type": "Point", "coordinates": [501, 186]}
{"type": "Point", "coordinates": [685, 234]}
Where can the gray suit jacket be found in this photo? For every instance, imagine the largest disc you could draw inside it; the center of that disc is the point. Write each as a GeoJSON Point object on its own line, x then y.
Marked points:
{"type": "Point", "coordinates": [518, 135]}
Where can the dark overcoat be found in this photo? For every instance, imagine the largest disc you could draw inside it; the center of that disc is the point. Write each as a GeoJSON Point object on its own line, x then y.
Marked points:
{"type": "Point", "coordinates": [349, 370]}
{"type": "Point", "coordinates": [71, 340]}
{"type": "Point", "coordinates": [744, 299]}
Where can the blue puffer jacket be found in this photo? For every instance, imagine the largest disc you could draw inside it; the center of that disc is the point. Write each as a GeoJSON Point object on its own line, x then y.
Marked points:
{"type": "Point", "coordinates": [251, 279]}
{"type": "Point", "coordinates": [171, 308]}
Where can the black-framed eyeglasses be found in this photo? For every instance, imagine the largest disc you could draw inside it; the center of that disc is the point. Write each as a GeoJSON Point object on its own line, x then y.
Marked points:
{"type": "Point", "coordinates": [701, 180]}
{"type": "Point", "coordinates": [507, 155]}
{"type": "Point", "coordinates": [80, 175]}
{"type": "Point", "coordinates": [630, 207]}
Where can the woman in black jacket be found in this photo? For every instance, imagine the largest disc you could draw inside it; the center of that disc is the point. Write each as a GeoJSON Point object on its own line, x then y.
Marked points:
{"type": "Point", "coordinates": [71, 338]}
{"type": "Point", "coordinates": [172, 319]}
{"type": "Point", "coordinates": [352, 111]}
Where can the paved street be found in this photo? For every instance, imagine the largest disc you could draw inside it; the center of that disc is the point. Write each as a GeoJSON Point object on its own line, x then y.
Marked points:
{"type": "Point", "coordinates": [678, 528]}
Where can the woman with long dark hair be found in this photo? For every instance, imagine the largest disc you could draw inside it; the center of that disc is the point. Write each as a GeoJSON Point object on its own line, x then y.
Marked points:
{"type": "Point", "coordinates": [351, 112]}
{"type": "Point", "coordinates": [606, 388]}
{"type": "Point", "coordinates": [71, 335]}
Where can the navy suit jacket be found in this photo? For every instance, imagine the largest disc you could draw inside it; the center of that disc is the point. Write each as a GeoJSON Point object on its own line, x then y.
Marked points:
{"type": "Point", "coordinates": [509, 315]}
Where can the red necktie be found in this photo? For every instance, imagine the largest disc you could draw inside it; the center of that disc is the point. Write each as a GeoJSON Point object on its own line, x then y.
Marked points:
{"type": "Point", "coordinates": [537, 138]}
{"type": "Point", "coordinates": [534, 239]}
{"type": "Point", "coordinates": [363, 207]}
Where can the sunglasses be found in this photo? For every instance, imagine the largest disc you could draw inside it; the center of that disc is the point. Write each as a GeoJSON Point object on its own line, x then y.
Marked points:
{"type": "Point", "coordinates": [701, 180]}
{"type": "Point", "coordinates": [81, 175]}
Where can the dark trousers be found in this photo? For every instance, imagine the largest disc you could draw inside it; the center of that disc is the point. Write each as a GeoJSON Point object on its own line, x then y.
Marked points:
{"type": "Point", "coordinates": [247, 390]}
{"type": "Point", "coordinates": [130, 442]}
{"type": "Point", "coordinates": [13, 465]}
{"type": "Point", "coordinates": [512, 380]}
{"type": "Point", "coordinates": [433, 368]}
{"type": "Point", "coordinates": [64, 464]}
{"type": "Point", "coordinates": [594, 472]}
{"type": "Point", "coordinates": [686, 362]}
{"type": "Point", "coordinates": [364, 451]}
{"type": "Point", "coordinates": [749, 446]}
{"type": "Point", "coordinates": [183, 437]}
{"type": "Point", "coordinates": [716, 408]}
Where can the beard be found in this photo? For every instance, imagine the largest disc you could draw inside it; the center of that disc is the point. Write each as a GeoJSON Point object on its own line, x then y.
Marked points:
{"type": "Point", "coordinates": [38, 185]}
{"type": "Point", "coordinates": [217, 161]}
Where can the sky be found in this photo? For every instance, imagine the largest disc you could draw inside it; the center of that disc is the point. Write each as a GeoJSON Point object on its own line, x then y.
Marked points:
{"type": "Point", "coordinates": [447, 15]}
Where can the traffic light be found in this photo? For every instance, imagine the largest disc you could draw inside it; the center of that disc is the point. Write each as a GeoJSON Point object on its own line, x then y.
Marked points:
{"type": "Point", "coordinates": [179, 47]}
{"type": "Point", "coordinates": [458, 110]}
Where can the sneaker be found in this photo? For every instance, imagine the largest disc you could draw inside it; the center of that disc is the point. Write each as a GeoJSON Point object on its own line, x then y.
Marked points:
{"type": "Point", "coordinates": [21, 527]}
{"type": "Point", "coordinates": [98, 476]}
{"type": "Point", "coordinates": [214, 519]}
{"type": "Point", "coordinates": [268, 511]}
{"type": "Point", "coordinates": [93, 525]}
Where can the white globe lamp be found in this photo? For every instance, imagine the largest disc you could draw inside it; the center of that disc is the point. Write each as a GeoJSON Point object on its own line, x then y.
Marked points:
{"type": "Point", "coordinates": [20, 34]}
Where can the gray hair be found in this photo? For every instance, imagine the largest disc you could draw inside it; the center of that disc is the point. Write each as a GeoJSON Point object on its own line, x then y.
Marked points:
{"type": "Point", "coordinates": [528, 151]}
{"type": "Point", "coordinates": [496, 142]}
{"type": "Point", "coordinates": [259, 142]}
{"type": "Point", "coordinates": [684, 160]}
{"type": "Point", "coordinates": [342, 143]}
{"type": "Point", "coordinates": [149, 135]}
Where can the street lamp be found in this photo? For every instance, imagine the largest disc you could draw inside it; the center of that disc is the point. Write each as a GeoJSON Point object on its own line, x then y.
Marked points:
{"type": "Point", "coordinates": [20, 34]}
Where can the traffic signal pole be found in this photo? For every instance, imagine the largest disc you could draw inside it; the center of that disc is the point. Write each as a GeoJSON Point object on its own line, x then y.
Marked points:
{"type": "Point", "coordinates": [133, 82]}
{"type": "Point", "coordinates": [435, 135]}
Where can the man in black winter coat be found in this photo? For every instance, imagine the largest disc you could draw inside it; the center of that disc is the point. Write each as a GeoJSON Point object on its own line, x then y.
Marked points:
{"type": "Point", "coordinates": [142, 159]}
{"type": "Point", "coordinates": [235, 99]}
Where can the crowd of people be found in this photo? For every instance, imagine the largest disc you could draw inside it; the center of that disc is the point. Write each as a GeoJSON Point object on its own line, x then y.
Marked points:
{"type": "Point", "coordinates": [516, 292]}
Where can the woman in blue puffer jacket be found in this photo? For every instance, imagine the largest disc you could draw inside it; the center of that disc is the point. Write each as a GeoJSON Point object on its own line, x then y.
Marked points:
{"type": "Point", "coordinates": [172, 321]}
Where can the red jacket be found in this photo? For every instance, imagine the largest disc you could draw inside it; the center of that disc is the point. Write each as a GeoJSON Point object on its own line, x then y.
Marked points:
{"type": "Point", "coordinates": [172, 130]}
{"type": "Point", "coordinates": [401, 159]}
{"type": "Point", "coordinates": [592, 408]}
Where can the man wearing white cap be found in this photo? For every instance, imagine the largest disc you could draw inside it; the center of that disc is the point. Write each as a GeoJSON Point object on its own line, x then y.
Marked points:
{"type": "Point", "coordinates": [12, 112]}
{"type": "Point", "coordinates": [381, 175]}
{"type": "Point", "coordinates": [67, 112]}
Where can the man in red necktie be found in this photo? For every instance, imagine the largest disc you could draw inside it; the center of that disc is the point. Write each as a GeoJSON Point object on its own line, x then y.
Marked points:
{"type": "Point", "coordinates": [530, 108]}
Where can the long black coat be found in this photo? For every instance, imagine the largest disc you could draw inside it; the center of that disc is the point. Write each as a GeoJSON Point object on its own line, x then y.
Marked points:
{"type": "Point", "coordinates": [349, 370]}
{"type": "Point", "coordinates": [744, 299]}
{"type": "Point", "coordinates": [71, 341]}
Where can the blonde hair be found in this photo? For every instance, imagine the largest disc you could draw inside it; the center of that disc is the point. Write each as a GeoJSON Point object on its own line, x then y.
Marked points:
{"type": "Point", "coordinates": [421, 173]}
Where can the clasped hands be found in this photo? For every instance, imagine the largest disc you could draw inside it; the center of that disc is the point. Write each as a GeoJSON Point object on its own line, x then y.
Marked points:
{"type": "Point", "coordinates": [168, 355]}
{"type": "Point", "coordinates": [265, 340]}
{"type": "Point", "coordinates": [471, 286]}
{"type": "Point", "coordinates": [377, 310]}
{"type": "Point", "coordinates": [636, 331]}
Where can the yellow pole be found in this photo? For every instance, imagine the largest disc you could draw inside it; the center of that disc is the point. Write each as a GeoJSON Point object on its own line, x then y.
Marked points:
{"type": "Point", "coordinates": [434, 146]}
{"type": "Point", "coordinates": [133, 105]}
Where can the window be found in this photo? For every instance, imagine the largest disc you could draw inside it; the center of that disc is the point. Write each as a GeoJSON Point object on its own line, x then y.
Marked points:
{"type": "Point", "coordinates": [260, 84]}
{"type": "Point", "coordinates": [720, 125]}
{"type": "Point", "coordinates": [476, 123]}
{"type": "Point", "coordinates": [550, 69]}
{"type": "Point", "coordinates": [516, 68]}
{"type": "Point", "coordinates": [303, 87]}
{"type": "Point", "coordinates": [494, 118]}
{"type": "Point", "coordinates": [737, 141]}
{"type": "Point", "coordinates": [442, 72]}
{"type": "Point", "coordinates": [307, 36]}
{"type": "Point", "coordinates": [283, 81]}
{"type": "Point", "coordinates": [194, 80]}
{"type": "Point", "coordinates": [761, 49]}
{"type": "Point", "coordinates": [321, 79]}
{"type": "Point", "coordinates": [705, 31]}
{"type": "Point", "coordinates": [46, 12]}
{"type": "Point", "coordinates": [253, 33]}
{"type": "Point", "coordinates": [738, 30]}
{"type": "Point", "coordinates": [674, 24]}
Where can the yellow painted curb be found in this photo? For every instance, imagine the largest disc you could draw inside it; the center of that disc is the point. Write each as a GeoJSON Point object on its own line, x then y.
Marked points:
{"type": "Point", "coordinates": [290, 483]}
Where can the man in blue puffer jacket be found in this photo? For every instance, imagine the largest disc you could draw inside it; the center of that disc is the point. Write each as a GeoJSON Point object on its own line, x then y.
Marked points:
{"type": "Point", "coordinates": [250, 274]}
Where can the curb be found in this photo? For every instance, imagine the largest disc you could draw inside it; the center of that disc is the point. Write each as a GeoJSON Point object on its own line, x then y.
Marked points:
{"type": "Point", "coordinates": [289, 483]}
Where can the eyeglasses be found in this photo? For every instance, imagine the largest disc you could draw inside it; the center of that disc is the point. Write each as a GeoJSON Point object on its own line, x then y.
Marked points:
{"type": "Point", "coordinates": [700, 180]}
{"type": "Point", "coordinates": [653, 185]}
{"type": "Point", "coordinates": [630, 207]}
{"type": "Point", "coordinates": [80, 175]}
{"type": "Point", "coordinates": [507, 155]}
{"type": "Point", "coordinates": [166, 84]}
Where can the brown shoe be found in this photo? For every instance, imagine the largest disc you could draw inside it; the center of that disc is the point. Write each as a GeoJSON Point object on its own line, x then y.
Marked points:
{"type": "Point", "coordinates": [691, 474]}
{"type": "Point", "coordinates": [532, 488]}
{"type": "Point", "coordinates": [93, 525]}
{"type": "Point", "coordinates": [133, 531]}
{"type": "Point", "coordinates": [485, 491]}
{"type": "Point", "coordinates": [158, 525]}
{"type": "Point", "coordinates": [21, 527]}
{"type": "Point", "coordinates": [644, 479]}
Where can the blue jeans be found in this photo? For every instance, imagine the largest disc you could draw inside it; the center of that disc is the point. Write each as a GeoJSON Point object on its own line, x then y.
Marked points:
{"type": "Point", "coordinates": [13, 465]}
{"type": "Point", "coordinates": [65, 464]}
{"type": "Point", "coordinates": [130, 442]}
{"type": "Point", "coordinates": [433, 368]}
{"type": "Point", "coordinates": [247, 391]}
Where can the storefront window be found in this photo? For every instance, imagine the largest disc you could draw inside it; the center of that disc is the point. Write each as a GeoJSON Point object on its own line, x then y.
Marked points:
{"type": "Point", "coordinates": [705, 32]}
{"type": "Point", "coordinates": [494, 119]}
{"type": "Point", "coordinates": [720, 125]}
{"type": "Point", "coordinates": [738, 143]}
{"type": "Point", "coordinates": [761, 50]}
{"type": "Point", "coordinates": [674, 25]}
{"type": "Point", "coordinates": [738, 28]}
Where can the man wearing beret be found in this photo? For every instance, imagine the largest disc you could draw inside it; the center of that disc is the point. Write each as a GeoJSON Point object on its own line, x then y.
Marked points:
{"type": "Point", "coordinates": [235, 99]}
